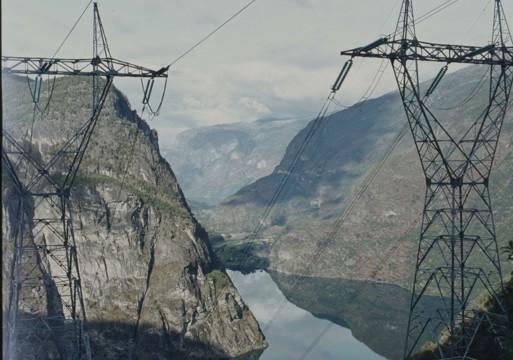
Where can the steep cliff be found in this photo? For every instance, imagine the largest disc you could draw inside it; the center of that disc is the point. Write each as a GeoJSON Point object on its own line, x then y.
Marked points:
{"type": "Point", "coordinates": [151, 284]}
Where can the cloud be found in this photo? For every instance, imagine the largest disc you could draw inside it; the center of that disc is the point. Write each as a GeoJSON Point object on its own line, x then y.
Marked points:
{"type": "Point", "coordinates": [276, 58]}
{"type": "Point", "coordinates": [250, 104]}
{"type": "Point", "coordinates": [244, 91]}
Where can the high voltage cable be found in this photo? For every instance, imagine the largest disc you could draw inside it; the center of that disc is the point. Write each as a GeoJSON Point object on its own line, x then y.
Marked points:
{"type": "Point", "coordinates": [313, 128]}
{"type": "Point", "coordinates": [286, 177]}
{"type": "Point", "coordinates": [475, 22]}
{"type": "Point", "coordinates": [435, 10]}
{"type": "Point", "coordinates": [373, 275]}
{"type": "Point", "coordinates": [156, 112]}
{"type": "Point", "coordinates": [317, 122]}
{"type": "Point", "coordinates": [177, 59]}
{"type": "Point", "coordinates": [323, 245]}
{"type": "Point", "coordinates": [430, 13]}
{"type": "Point", "coordinates": [480, 84]}
{"type": "Point", "coordinates": [73, 28]}
{"type": "Point", "coordinates": [371, 88]}
{"type": "Point", "coordinates": [212, 32]}
{"type": "Point", "coordinates": [380, 72]}
{"type": "Point", "coordinates": [33, 95]}
{"type": "Point", "coordinates": [53, 56]}
{"type": "Point", "coordinates": [467, 98]}
{"type": "Point", "coordinates": [355, 296]}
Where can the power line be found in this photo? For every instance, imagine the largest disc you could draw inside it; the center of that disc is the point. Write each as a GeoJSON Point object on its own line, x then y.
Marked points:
{"type": "Point", "coordinates": [312, 129]}
{"type": "Point", "coordinates": [156, 112]}
{"type": "Point", "coordinates": [467, 98]}
{"type": "Point", "coordinates": [435, 10]}
{"type": "Point", "coordinates": [294, 163]}
{"type": "Point", "coordinates": [211, 33]}
{"type": "Point", "coordinates": [475, 22]}
{"type": "Point", "coordinates": [72, 28]}
{"type": "Point", "coordinates": [380, 72]}
{"type": "Point", "coordinates": [331, 235]}
{"type": "Point", "coordinates": [360, 289]}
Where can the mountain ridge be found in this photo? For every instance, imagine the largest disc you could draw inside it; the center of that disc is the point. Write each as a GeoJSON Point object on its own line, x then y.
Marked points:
{"type": "Point", "coordinates": [348, 169]}
{"type": "Point", "coordinates": [212, 162]}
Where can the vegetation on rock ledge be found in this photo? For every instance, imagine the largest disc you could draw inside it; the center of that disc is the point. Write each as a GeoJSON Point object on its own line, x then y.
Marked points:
{"type": "Point", "coordinates": [485, 345]}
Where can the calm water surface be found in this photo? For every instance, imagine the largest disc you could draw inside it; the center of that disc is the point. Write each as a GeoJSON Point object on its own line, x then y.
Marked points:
{"type": "Point", "coordinates": [294, 330]}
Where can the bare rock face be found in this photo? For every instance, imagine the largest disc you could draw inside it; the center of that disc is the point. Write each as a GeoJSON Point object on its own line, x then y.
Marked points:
{"type": "Point", "coordinates": [151, 285]}
{"type": "Point", "coordinates": [149, 275]}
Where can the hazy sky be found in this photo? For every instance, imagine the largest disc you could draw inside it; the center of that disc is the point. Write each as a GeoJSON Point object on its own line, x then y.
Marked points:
{"type": "Point", "coordinates": [278, 58]}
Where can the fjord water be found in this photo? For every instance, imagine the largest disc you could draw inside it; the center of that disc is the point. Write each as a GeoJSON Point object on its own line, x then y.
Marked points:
{"type": "Point", "coordinates": [293, 329]}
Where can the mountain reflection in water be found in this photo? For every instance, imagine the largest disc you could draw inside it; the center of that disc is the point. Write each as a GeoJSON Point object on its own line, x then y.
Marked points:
{"type": "Point", "coordinates": [376, 313]}
{"type": "Point", "coordinates": [295, 329]}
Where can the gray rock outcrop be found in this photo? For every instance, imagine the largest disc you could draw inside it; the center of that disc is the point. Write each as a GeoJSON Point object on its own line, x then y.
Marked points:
{"type": "Point", "coordinates": [151, 285]}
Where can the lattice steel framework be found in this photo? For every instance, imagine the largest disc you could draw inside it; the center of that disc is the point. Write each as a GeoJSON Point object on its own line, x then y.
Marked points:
{"type": "Point", "coordinates": [457, 251]}
{"type": "Point", "coordinates": [46, 315]}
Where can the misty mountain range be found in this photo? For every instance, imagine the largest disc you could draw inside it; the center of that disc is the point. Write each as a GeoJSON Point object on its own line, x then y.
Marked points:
{"type": "Point", "coordinates": [344, 164]}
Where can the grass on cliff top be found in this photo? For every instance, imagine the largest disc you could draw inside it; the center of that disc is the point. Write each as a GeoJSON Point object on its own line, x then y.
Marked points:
{"type": "Point", "coordinates": [221, 279]}
{"type": "Point", "coordinates": [140, 189]}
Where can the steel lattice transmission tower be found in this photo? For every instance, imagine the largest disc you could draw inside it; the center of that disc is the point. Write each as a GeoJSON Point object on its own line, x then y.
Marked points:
{"type": "Point", "coordinates": [457, 254]}
{"type": "Point", "coordinates": [45, 310]}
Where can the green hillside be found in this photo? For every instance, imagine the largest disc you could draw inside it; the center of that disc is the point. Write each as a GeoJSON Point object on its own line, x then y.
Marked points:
{"type": "Point", "coordinates": [334, 172]}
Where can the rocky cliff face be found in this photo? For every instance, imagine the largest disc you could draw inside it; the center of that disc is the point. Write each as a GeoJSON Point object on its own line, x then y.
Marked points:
{"type": "Point", "coordinates": [151, 284]}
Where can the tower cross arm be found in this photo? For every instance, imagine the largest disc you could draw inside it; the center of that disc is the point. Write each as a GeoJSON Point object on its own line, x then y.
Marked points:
{"type": "Point", "coordinates": [411, 49]}
{"type": "Point", "coordinates": [81, 67]}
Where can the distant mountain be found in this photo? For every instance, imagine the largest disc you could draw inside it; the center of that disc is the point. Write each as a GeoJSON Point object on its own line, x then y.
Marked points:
{"type": "Point", "coordinates": [212, 162]}
{"type": "Point", "coordinates": [344, 166]}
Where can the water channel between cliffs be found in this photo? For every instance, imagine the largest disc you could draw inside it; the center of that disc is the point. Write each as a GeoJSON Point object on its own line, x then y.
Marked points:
{"type": "Point", "coordinates": [295, 328]}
